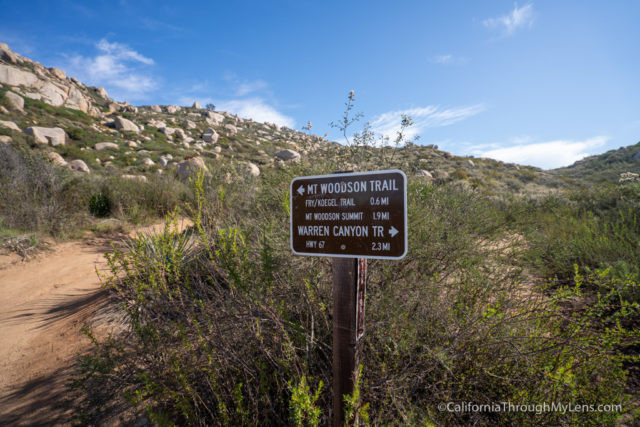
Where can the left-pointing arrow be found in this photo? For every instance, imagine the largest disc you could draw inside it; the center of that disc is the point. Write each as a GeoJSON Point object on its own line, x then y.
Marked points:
{"type": "Point", "coordinates": [393, 231]}
{"type": "Point", "coordinates": [301, 190]}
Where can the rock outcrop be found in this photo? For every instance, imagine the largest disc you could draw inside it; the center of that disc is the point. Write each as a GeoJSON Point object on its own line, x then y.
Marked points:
{"type": "Point", "coordinates": [100, 146]}
{"type": "Point", "coordinates": [191, 167]}
{"type": "Point", "coordinates": [287, 155]}
{"type": "Point", "coordinates": [9, 125]}
{"type": "Point", "coordinates": [125, 125]}
{"type": "Point", "coordinates": [15, 100]}
{"type": "Point", "coordinates": [42, 135]}
{"type": "Point", "coordinates": [79, 165]}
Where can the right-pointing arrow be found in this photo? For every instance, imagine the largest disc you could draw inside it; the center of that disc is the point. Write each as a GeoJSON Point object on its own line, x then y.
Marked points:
{"type": "Point", "coordinates": [393, 231]}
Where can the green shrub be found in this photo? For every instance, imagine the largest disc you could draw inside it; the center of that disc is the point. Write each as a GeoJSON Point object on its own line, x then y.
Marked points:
{"type": "Point", "coordinates": [225, 333]}
{"type": "Point", "coordinates": [99, 205]}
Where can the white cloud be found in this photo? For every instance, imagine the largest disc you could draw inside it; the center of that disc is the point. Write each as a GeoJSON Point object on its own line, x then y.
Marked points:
{"type": "Point", "coordinates": [546, 155]}
{"type": "Point", "coordinates": [117, 67]}
{"type": "Point", "coordinates": [249, 108]}
{"type": "Point", "coordinates": [516, 19]}
{"type": "Point", "coordinates": [388, 124]}
{"type": "Point", "coordinates": [256, 109]}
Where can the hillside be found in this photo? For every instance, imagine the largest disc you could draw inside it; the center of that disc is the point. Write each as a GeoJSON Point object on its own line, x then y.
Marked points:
{"type": "Point", "coordinates": [95, 134]}
{"type": "Point", "coordinates": [605, 167]}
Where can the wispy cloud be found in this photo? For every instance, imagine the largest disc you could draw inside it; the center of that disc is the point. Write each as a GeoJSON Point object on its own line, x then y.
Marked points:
{"type": "Point", "coordinates": [246, 88]}
{"type": "Point", "coordinates": [546, 155]}
{"type": "Point", "coordinates": [516, 19]}
{"type": "Point", "coordinates": [120, 69]}
{"type": "Point", "coordinates": [447, 58]}
{"type": "Point", "coordinates": [389, 123]}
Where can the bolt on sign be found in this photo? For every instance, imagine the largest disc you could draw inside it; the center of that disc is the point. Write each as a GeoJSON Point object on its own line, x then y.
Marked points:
{"type": "Point", "coordinates": [360, 214]}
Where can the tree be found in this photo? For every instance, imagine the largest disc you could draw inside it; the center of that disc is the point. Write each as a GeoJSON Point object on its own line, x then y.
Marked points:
{"type": "Point", "coordinates": [210, 107]}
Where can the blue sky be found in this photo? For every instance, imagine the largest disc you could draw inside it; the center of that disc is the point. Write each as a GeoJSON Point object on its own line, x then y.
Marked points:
{"type": "Point", "coordinates": [542, 83]}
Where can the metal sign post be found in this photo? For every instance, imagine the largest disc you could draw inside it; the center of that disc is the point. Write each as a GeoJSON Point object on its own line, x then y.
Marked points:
{"type": "Point", "coordinates": [349, 216]}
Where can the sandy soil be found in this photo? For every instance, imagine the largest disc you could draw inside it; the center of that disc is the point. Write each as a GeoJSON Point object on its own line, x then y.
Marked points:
{"type": "Point", "coordinates": [44, 303]}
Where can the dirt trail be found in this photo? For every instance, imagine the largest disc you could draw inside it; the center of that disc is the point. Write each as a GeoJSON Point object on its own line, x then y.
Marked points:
{"type": "Point", "coordinates": [43, 305]}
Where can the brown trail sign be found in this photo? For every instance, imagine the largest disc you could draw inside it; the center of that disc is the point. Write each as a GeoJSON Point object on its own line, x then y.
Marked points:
{"type": "Point", "coordinates": [349, 216]}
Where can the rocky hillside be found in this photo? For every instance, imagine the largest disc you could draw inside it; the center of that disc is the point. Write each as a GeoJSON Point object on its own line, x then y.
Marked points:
{"type": "Point", "coordinates": [606, 167]}
{"type": "Point", "coordinates": [81, 128]}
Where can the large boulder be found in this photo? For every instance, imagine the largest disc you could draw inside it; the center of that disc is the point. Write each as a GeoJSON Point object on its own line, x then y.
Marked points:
{"type": "Point", "coordinates": [79, 165]}
{"type": "Point", "coordinates": [188, 124]}
{"type": "Point", "coordinates": [9, 125]}
{"type": "Point", "coordinates": [5, 139]}
{"type": "Point", "coordinates": [157, 124]}
{"type": "Point", "coordinates": [231, 129]}
{"type": "Point", "coordinates": [15, 100]}
{"type": "Point", "coordinates": [155, 108]}
{"type": "Point", "coordinates": [101, 146]}
{"type": "Point", "coordinates": [172, 109]}
{"type": "Point", "coordinates": [125, 125]}
{"type": "Point", "coordinates": [42, 135]}
{"type": "Point", "coordinates": [214, 118]}
{"type": "Point", "coordinates": [56, 159]}
{"type": "Point", "coordinates": [191, 167]}
{"type": "Point", "coordinates": [287, 155]}
{"type": "Point", "coordinates": [196, 105]}
{"type": "Point", "coordinates": [210, 136]}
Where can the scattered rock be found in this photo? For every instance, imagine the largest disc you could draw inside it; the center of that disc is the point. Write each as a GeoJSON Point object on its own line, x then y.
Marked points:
{"type": "Point", "coordinates": [470, 163]}
{"type": "Point", "coordinates": [210, 136]}
{"type": "Point", "coordinates": [131, 144]}
{"type": "Point", "coordinates": [15, 100]}
{"type": "Point", "coordinates": [155, 108]}
{"type": "Point", "coordinates": [56, 159]}
{"type": "Point", "coordinates": [188, 124]}
{"type": "Point", "coordinates": [214, 118]}
{"type": "Point", "coordinates": [157, 124]}
{"type": "Point", "coordinates": [447, 155]}
{"type": "Point", "coordinates": [148, 162]}
{"type": "Point", "coordinates": [140, 178]}
{"type": "Point", "coordinates": [125, 125]}
{"type": "Point", "coordinates": [424, 173]}
{"type": "Point", "coordinates": [191, 167]}
{"type": "Point", "coordinates": [4, 139]}
{"type": "Point", "coordinates": [42, 135]}
{"type": "Point", "coordinates": [79, 165]}
{"type": "Point", "coordinates": [10, 125]}
{"type": "Point", "coordinates": [250, 169]}
{"type": "Point", "coordinates": [287, 155]}
{"type": "Point", "coordinates": [217, 149]}
{"type": "Point", "coordinates": [172, 109]}
{"type": "Point", "coordinates": [106, 146]}
{"type": "Point", "coordinates": [231, 129]}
